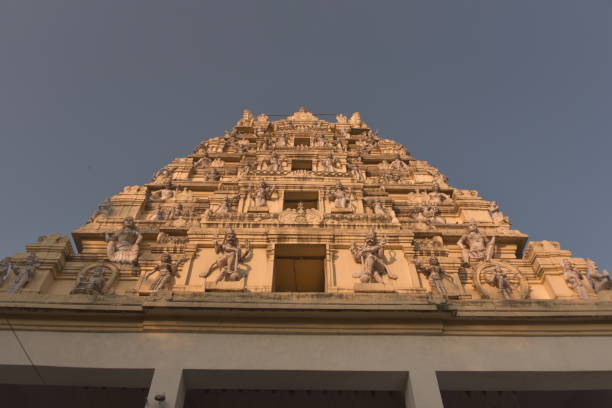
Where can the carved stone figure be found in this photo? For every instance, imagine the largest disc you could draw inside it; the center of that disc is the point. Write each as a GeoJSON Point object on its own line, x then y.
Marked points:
{"type": "Point", "coordinates": [438, 177]}
{"type": "Point", "coordinates": [357, 173]}
{"type": "Point", "coordinates": [501, 280]}
{"type": "Point", "coordinates": [203, 162]}
{"type": "Point", "coordinates": [262, 194]}
{"type": "Point", "coordinates": [342, 119]}
{"type": "Point", "coordinates": [497, 278]}
{"type": "Point", "coordinates": [356, 121]}
{"type": "Point", "coordinates": [244, 170]}
{"type": "Point", "coordinates": [5, 269]}
{"type": "Point", "coordinates": [371, 256]}
{"type": "Point", "coordinates": [166, 271]}
{"type": "Point", "coordinates": [599, 280]}
{"type": "Point", "coordinates": [247, 118]}
{"type": "Point", "coordinates": [231, 254]}
{"type": "Point", "coordinates": [378, 208]}
{"type": "Point", "coordinates": [282, 140]}
{"type": "Point", "coordinates": [319, 140]}
{"type": "Point", "coordinates": [274, 163]}
{"type": "Point", "coordinates": [574, 279]}
{"type": "Point", "coordinates": [165, 193]}
{"type": "Point", "coordinates": [104, 209]}
{"type": "Point", "coordinates": [217, 163]}
{"type": "Point", "coordinates": [340, 196]}
{"type": "Point", "coordinates": [436, 276]}
{"type": "Point", "coordinates": [475, 247]}
{"type": "Point", "coordinates": [158, 214]}
{"type": "Point", "coordinates": [300, 215]}
{"type": "Point", "coordinates": [179, 210]}
{"type": "Point", "coordinates": [23, 274]}
{"type": "Point", "coordinates": [163, 176]}
{"type": "Point", "coordinates": [398, 164]}
{"type": "Point", "coordinates": [496, 215]}
{"type": "Point", "coordinates": [91, 281]}
{"type": "Point", "coordinates": [436, 197]}
{"type": "Point", "coordinates": [213, 175]}
{"type": "Point", "coordinates": [228, 205]}
{"type": "Point", "coordinates": [329, 163]}
{"type": "Point", "coordinates": [124, 245]}
{"type": "Point", "coordinates": [430, 215]}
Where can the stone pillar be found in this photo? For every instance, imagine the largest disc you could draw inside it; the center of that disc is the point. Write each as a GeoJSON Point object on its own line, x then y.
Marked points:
{"type": "Point", "coordinates": [422, 390]}
{"type": "Point", "coordinates": [167, 381]}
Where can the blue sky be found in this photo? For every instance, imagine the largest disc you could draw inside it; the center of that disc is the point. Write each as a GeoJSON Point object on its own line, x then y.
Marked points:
{"type": "Point", "coordinates": [511, 98]}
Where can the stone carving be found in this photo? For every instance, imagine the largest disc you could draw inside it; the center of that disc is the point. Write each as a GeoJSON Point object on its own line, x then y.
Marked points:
{"type": "Point", "coordinates": [262, 194]}
{"type": "Point", "coordinates": [158, 214]}
{"type": "Point", "coordinates": [436, 197]}
{"type": "Point", "coordinates": [574, 279]}
{"type": "Point", "coordinates": [430, 215]}
{"type": "Point", "coordinates": [217, 163]}
{"type": "Point", "coordinates": [124, 245]}
{"type": "Point", "coordinates": [166, 271]}
{"type": "Point", "coordinates": [282, 141]}
{"type": "Point", "coordinates": [436, 278]}
{"type": "Point", "coordinates": [342, 119]}
{"type": "Point", "coordinates": [506, 279]}
{"type": "Point", "coordinates": [5, 269]}
{"type": "Point", "coordinates": [496, 215]}
{"type": "Point", "coordinates": [178, 211]}
{"type": "Point", "coordinates": [356, 121]}
{"type": "Point", "coordinates": [165, 193]}
{"type": "Point", "coordinates": [371, 255]}
{"type": "Point", "coordinates": [171, 243]}
{"type": "Point", "coordinates": [330, 164]}
{"type": "Point", "coordinates": [23, 274]}
{"type": "Point", "coordinates": [203, 162]}
{"type": "Point", "coordinates": [104, 210]}
{"type": "Point", "coordinates": [213, 175]}
{"type": "Point", "coordinates": [247, 119]}
{"type": "Point", "coordinates": [228, 205]}
{"type": "Point", "coordinates": [245, 170]}
{"type": "Point", "coordinates": [340, 196]}
{"type": "Point", "coordinates": [438, 177]}
{"type": "Point", "coordinates": [262, 118]}
{"type": "Point", "coordinates": [300, 216]}
{"type": "Point", "coordinates": [163, 176]}
{"type": "Point", "coordinates": [356, 172]}
{"type": "Point", "coordinates": [91, 280]}
{"type": "Point", "coordinates": [319, 141]}
{"type": "Point", "coordinates": [433, 246]}
{"type": "Point", "coordinates": [231, 255]}
{"type": "Point", "coordinates": [398, 164]}
{"type": "Point", "coordinates": [274, 163]}
{"type": "Point", "coordinates": [475, 247]}
{"type": "Point", "coordinates": [599, 280]}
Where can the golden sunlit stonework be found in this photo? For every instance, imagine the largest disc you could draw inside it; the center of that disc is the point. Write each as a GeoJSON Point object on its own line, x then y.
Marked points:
{"type": "Point", "coordinates": [302, 204]}
{"type": "Point", "coordinates": [295, 226]}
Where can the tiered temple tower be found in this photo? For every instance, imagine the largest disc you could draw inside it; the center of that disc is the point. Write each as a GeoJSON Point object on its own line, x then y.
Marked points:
{"type": "Point", "coordinates": [237, 267]}
{"type": "Point", "coordinates": [302, 204]}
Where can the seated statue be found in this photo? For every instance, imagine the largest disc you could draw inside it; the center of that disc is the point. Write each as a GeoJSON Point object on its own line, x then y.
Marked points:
{"type": "Point", "coordinates": [123, 245]}
{"type": "Point", "coordinates": [91, 283]}
{"type": "Point", "coordinates": [371, 255]}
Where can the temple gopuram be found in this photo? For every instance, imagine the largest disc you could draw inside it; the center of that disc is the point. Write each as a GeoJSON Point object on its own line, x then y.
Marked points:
{"type": "Point", "coordinates": [301, 262]}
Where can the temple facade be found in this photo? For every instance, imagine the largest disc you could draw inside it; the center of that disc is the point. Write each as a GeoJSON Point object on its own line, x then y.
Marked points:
{"type": "Point", "coordinates": [295, 262]}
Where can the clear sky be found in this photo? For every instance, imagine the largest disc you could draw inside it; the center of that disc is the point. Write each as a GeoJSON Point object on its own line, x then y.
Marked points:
{"type": "Point", "coordinates": [511, 98]}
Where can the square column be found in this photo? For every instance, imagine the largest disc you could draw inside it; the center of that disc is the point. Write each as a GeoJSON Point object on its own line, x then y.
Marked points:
{"type": "Point", "coordinates": [167, 381]}
{"type": "Point", "coordinates": [422, 390]}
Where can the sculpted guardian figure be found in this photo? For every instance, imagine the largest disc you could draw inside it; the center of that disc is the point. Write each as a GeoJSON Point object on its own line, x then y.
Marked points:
{"type": "Point", "coordinates": [475, 246]}
{"type": "Point", "coordinates": [262, 194]}
{"type": "Point", "coordinates": [330, 164]}
{"type": "Point", "coordinates": [166, 271]}
{"type": "Point", "coordinates": [435, 276]}
{"type": "Point", "coordinates": [231, 254]}
{"type": "Point", "coordinates": [574, 279]}
{"type": "Point", "coordinates": [24, 274]}
{"type": "Point", "coordinates": [599, 280]}
{"type": "Point", "coordinates": [340, 196]}
{"type": "Point", "coordinates": [371, 255]}
{"type": "Point", "coordinates": [124, 245]}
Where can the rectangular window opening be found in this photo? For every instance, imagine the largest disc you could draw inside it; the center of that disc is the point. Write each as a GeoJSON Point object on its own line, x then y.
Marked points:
{"type": "Point", "coordinates": [301, 165]}
{"type": "Point", "coordinates": [301, 141]}
{"type": "Point", "coordinates": [299, 268]}
{"type": "Point", "coordinates": [309, 199]}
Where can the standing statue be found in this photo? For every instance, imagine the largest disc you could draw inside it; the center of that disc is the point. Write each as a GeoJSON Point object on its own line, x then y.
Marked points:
{"type": "Point", "coordinates": [23, 274]}
{"type": "Point", "coordinates": [275, 163]}
{"type": "Point", "coordinates": [166, 272]}
{"type": "Point", "coordinates": [574, 279]}
{"type": "Point", "coordinates": [371, 256]}
{"type": "Point", "coordinates": [435, 276]}
{"type": "Point", "coordinates": [378, 208]}
{"type": "Point", "coordinates": [262, 194]}
{"type": "Point", "coordinates": [340, 196]}
{"type": "Point", "coordinates": [475, 246]}
{"type": "Point", "coordinates": [123, 245]}
{"type": "Point", "coordinates": [329, 163]}
{"type": "Point", "coordinates": [496, 215]}
{"type": "Point", "coordinates": [282, 140]}
{"type": "Point", "coordinates": [501, 279]}
{"type": "Point", "coordinates": [104, 209]}
{"type": "Point", "coordinates": [599, 280]}
{"type": "Point", "coordinates": [231, 254]}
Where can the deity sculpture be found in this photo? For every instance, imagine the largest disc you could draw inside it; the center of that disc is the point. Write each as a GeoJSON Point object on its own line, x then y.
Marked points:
{"type": "Point", "coordinates": [203, 162]}
{"type": "Point", "coordinates": [356, 171]}
{"type": "Point", "coordinates": [340, 196]}
{"type": "Point", "coordinates": [436, 197]}
{"type": "Point", "coordinates": [262, 194]}
{"type": "Point", "coordinates": [213, 175]}
{"type": "Point", "coordinates": [329, 163]}
{"type": "Point", "coordinates": [124, 245]}
{"type": "Point", "coordinates": [438, 177]}
{"type": "Point", "coordinates": [247, 118]}
{"type": "Point", "coordinates": [501, 279]}
{"type": "Point", "coordinates": [228, 205]}
{"type": "Point", "coordinates": [179, 210]}
{"type": "Point", "coordinates": [378, 208]}
{"type": "Point", "coordinates": [599, 280]}
{"type": "Point", "coordinates": [244, 170]}
{"type": "Point", "coordinates": [274, 163]}
{"type": "Point", "coordinates": [282, 140]}
{"type": "Point", "coordinates": [231, 254]}
{"type": "Point", "coordinates": [496, 215]}
{"type": "Point", "coordinates": [158, 214]}
{"type": "Point", "coordinates": [430, 215]}
{"type": "Point", "coordinates": [5, 269]}
{"type": "Point", "coordinates": [166, 271]}
{"type": "Point", "coordinates": [90, 282]}
{"type": "Point", "coordinates": [319, 140]}
{"type": "Point", "coordinates": [165, 193]}
{"type": "Point", "coordinates": [163, 176]}
{"type": "Point", "coordinates": [475, 246]}
{"type": "Point", "coordinates": [23, 274]}
{"type": "Point", "coordinates": [104, 209]}
{"type": "Point", "coordinates": [342, 119]}
{"type": "Point", "coordinates": [356, 121]}
{"type": "Point", "coordinates": [398, 164]}
{"type": "Point", "coordinates": [436, 276]}
{"type": "Point", "coordinates": [574, 279]}
{"type": "Point", "coordinates": [371, 256]}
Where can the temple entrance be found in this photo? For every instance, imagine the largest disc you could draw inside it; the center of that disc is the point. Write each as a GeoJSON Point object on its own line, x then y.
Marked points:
{"type": "Point", "coordinates": [299, 268]}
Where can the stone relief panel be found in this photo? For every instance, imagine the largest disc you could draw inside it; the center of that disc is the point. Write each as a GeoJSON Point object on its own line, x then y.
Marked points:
{"type": "Point", "coordinates": [499, 280]}
{"type": "Point", "coordinates": [96, 279]}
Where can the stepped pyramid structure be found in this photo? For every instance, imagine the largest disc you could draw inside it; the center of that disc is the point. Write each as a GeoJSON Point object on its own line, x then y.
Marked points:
{"type": "Point", "coordinates": [291, 227]}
